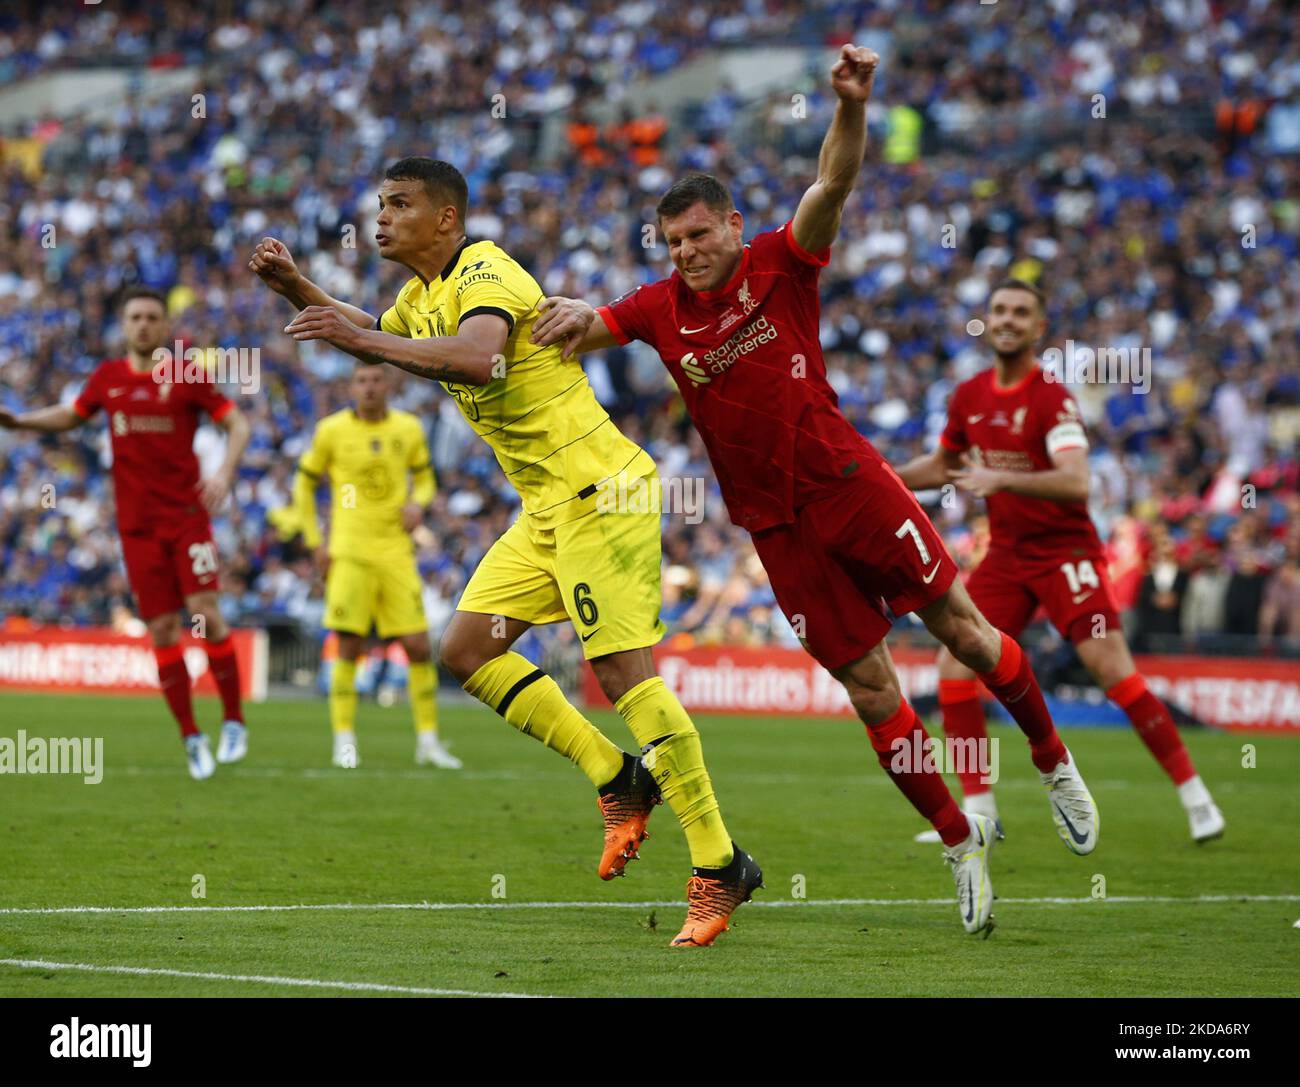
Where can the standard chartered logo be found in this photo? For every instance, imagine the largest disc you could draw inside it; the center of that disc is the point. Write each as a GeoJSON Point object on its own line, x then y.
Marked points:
{"type": "Point", "coordinates": [694, 370]}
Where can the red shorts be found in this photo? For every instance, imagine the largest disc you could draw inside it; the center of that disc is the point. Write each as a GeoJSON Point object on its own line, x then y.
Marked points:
{"type": "Point", "coordinates": [169, 564]}
{"type": "Point", "coordinates": [845, 557]}
{"type": "Point", "coordinates": [1075, 592]}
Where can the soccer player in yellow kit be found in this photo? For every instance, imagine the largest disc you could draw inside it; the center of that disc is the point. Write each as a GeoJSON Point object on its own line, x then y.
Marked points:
{"type": "Point", "coordinates": [464, 320]}
{"type": "Point", "coordinates": [367, 452]}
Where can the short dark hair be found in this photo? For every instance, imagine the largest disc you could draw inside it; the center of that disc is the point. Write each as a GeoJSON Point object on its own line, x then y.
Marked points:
{"type": "Point", "coordinates": [442, 181]}
{"type": "Point", "coordinates": [132, 293]}
{"type": "Point", "coordinates": [1013, 284]}
{"type": "Point", "coordinates": [694, 189]}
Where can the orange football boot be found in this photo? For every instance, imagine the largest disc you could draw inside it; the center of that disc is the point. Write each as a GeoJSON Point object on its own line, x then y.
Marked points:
{"type": "Point", "coordinates": [625, 804]}
{"type": "Point", "coordinates": [713, 895]}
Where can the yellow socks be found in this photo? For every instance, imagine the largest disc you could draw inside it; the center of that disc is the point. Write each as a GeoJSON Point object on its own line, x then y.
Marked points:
{"type": "Point", "coordinates": [672, 753]}
{"type": "Point", "coordinates": [530, 700]}
{"type": "Point", "coordinates": [343, 696]}
{"type": "Point", "coordinates": [422, 683]}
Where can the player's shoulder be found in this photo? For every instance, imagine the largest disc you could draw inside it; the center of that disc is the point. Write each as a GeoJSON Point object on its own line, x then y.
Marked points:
{"type": "Point", "coordinates": [1048, 391]}
{"type": "Point", "coordinates": [405, 420]}
{"type": "Point", "coordinates": [107, 368]}
{"type": "Point", "coordinates": [484, 260]}
{"type": "Point", "coordinates": [336, 421]}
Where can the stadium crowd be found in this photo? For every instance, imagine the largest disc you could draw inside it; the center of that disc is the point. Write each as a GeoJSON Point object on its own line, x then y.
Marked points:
{"type": "Point", "coordinates": [1179, 243]}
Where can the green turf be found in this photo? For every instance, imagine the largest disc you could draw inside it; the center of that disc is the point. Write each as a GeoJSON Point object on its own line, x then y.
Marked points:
{"type": "Point", "coordinates": [804, 796]}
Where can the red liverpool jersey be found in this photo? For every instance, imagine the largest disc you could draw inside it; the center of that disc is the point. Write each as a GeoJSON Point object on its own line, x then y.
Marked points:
{"type": "Point", "coordinates": [1017, 429]}
{"type": "Point", "coordinates": [155, 471]}
{"type": "Point", "coordinates": [748, 362]}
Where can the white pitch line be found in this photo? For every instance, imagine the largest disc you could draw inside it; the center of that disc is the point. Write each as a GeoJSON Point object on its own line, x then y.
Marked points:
{"type": "Point", "coordinates": [665, 904]}
{"type": "Point", "coordinates": [301, 983]}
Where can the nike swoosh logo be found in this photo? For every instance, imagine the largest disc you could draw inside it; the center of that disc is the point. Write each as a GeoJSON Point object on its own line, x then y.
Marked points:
{"type": "Point", "coordinates": [930, 576]}
{"type": "Point", "coordinates": [974, 418]}
{"type": "Point", "coordinates": [1080, 597]}
{"type": "Point", "coordinates": [691, 331]}
{"type": "Point", "coordinates": [586, 637]}
{"type": "Point", "coordinates": [1082, 839]}
{"type": "Point", "coordinates": [970, 900]}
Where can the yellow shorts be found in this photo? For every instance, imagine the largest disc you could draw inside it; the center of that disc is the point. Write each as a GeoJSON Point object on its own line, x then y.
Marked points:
{"type": "Point", "coordinates": [387, 594]}
{"type": "Point", "coordinates": [600, 571]}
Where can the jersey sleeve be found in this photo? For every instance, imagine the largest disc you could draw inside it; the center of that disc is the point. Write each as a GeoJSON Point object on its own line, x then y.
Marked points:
{"type": "Point", "coordinates": [1061, 422]}
{"type": "Point", "coordinates": [207, 396]}
{"type": "Point", "coordinates": [392, 322]}
{"type": "Point", "coordinates": [495, 286]}
{"type": "Point", "coordinates": [316, 461]}
{"type": "Point", "coordinates": [424, 484]}
{"type": "Point", "coordinates": [954, 431]}
{"type": "Point", "coordinates": [628, 316]}
{"type": "Point", "coordinates": [779, 246]}
{"type": "Point", "coordinates": [91, 398]}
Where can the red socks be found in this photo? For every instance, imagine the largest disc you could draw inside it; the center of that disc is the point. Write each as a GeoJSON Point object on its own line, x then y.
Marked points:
{"type": "Point", "coordinates": [1013, 684]}
{"type": "Point", "coordinates": [926, 790]}
{"type": "Point", "coordinates": [225, 670]}
{"type": "Point", "coordinates": [963, 719]}
{"type": "Point", "coordinates": [175, 683]}
{"type": "Point", "coordinates": [1154, 725]}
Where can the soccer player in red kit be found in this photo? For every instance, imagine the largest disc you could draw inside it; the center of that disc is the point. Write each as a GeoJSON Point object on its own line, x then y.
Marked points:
{"type": "Point", "coordinates": [162, 510]}
{"type": "Point", "coordinates": [1015, 438]}
{"type": "Point", "coordinates": [836, 530]}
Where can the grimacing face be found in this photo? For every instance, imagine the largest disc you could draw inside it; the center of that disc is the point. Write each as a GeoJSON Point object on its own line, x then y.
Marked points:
{"type": "Point", "coordinates": [705, 245]}
{"type": "Point", "coordinates": [1015, 323]}
{"type": "Point", "coordinates": [408, 221]}
{"type": "Point", "coordinates": [144, 324]}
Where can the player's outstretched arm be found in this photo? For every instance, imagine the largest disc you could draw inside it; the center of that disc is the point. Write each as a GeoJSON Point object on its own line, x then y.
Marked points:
{"type": "Point", "coordinates": [468, 358]}
{"type": "Point", "coordinates": [275, 266]}
{"type": "Point", "coordinates": [931, 470]}
{"type": "Point", "coordinates": [574, 322]}
{"type": "Point", "coordinates": [49, 420]}
{"type": "Point", "coordinates": [817, 220]}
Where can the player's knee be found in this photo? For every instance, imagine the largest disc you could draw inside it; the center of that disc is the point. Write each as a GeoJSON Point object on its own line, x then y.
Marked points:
{"type": "Point", "coordinates": [462, 656]}
{"type": "Point", "coordinates": [873, 702]}
{"type": "Point", "coordinates": [417, 648]}
{"type": "Point", "coordinates": [165, 630]}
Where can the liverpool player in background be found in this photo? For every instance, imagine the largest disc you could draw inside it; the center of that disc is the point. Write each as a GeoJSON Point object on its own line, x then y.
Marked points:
{"type": "Point", "coordinates": [1015, 438]}
{"type": "Point", "coordinates": [162, 510]}
{"type": "Point", "coordinates": [838, 533]}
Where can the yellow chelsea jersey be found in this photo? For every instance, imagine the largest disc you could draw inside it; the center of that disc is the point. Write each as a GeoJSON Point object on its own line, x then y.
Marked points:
{"type": "Point", "coordinates": [553, 440]}
{"type": "Point", "coordinates": [368, 464]}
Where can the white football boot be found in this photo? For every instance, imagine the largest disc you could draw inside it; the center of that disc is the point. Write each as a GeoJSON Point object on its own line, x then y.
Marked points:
{"type": "Point", "coordinates": [969, 861]}
{"type": "Point", "coordinates": [978, 804]}
{"type": "Point", "coordinates": [430, 751]}
{"type": "Point", "coordinates": [1203, 815]}
{"type": "Point", "coordinates": [1073, 810]}
{"type": "Point", "coordinates": [345, 751]}
{"type": "Point", "coordinates": [199, 756]}
{"type": "Point", "coordinates": [233, 744]}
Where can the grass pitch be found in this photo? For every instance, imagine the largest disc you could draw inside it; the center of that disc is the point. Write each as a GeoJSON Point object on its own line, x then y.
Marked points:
{"type": "Point", "coordinates": [411, 866]}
